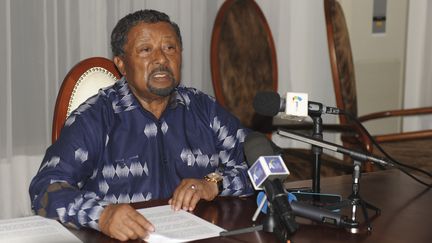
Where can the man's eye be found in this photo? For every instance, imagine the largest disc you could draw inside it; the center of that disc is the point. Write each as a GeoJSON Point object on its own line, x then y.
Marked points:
{"type": "Point", "coordinates": [145, 49]}
{"type": "Point", "coordinates": [170, 47]}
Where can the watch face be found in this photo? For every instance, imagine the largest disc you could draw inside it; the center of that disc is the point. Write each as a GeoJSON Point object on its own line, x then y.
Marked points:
{"type": "Point", "coordinates": [215, 176]}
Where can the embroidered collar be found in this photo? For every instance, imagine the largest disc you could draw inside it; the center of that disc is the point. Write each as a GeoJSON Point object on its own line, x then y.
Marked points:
{"type": "Point", "coordinates": [126, 100]}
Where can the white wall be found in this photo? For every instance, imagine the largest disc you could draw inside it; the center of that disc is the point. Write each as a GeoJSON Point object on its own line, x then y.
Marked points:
{"type": "Point", "coordinates": [299, 32]}
{"type": "Point", "coordinates": [379, 60]}
{"type": "Point", "coordinates": [418, 75]}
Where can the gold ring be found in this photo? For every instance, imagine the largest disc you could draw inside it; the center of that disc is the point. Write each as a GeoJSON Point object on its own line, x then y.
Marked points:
{"type": "Point", "coordinates": [193, 187]}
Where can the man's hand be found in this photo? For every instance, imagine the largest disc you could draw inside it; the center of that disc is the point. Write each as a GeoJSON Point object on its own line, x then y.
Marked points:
{"type": "Point", "coordinates": [190, 191]}
{"type": "Point", "coordinates": [122, 222]}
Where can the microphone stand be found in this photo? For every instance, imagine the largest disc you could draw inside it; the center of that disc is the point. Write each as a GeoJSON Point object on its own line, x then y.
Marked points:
{"type": "Point", "coordinates": [354, 200]}
{"type": "Point", "coordinates": [316, 150]}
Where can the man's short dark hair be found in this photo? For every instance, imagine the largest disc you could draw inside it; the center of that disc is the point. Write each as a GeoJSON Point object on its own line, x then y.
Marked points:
{"type": "Point", "coordinates": [121, 30]}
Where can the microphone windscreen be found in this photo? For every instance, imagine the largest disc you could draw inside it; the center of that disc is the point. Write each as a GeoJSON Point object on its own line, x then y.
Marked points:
{"type": "Point", "coordinates": [267, 103]}
{"type": "Point", "coordinates": [290, 198]}
{"type": "Point", "coordinates": [256, 144]}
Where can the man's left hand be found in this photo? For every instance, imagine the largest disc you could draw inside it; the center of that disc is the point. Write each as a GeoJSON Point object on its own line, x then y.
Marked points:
{"type": "Point", "coordinates": [190, 191]}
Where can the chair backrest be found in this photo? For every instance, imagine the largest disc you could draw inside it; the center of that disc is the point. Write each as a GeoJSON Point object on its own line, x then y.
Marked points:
{"type": "Point", "coordinates": [83, 81]}
{"type": "Point", "coordinates": [243, 60]}
{"type": "Point", "coordinates": [341, 60]}
{"type": "Point", "coordinates": [342, 68]}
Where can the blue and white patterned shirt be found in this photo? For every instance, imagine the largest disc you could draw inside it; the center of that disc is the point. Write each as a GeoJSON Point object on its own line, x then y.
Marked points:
{"type": "Point", "coordinates": [111, 150]}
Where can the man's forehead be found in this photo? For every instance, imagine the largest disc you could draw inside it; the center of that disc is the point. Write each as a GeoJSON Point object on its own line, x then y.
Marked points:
{"type": "Point", "coordinates": [153, 28]}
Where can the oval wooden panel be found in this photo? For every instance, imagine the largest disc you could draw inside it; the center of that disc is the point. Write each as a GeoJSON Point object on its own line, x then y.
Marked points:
{"type": "Point", "coordinates": [243, 59]}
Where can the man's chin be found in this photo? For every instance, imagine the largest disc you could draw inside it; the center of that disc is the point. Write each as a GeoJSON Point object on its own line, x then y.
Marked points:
{"type": "Point", "coordinates": [163, 92]}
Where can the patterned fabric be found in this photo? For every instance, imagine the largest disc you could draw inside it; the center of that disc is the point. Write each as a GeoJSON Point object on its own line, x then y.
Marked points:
{"type": "Point", "coordinates": [111, 150]}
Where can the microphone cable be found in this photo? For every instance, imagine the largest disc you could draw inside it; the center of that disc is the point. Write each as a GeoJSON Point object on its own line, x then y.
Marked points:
{"type": "Point", "coordinates": [400, 165]}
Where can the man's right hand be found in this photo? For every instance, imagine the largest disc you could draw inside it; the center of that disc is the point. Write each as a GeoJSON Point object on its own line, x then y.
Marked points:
{"type": "Point", "coordinates": [122, 222]}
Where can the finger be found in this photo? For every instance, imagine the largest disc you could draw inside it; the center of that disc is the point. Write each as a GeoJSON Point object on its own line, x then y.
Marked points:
{"type": "Point", "coordinates": [133, 225]}
{"type": "Point", "coordinates": [178, 199]}
{"type": "Point", "coordinates": [183, 185]}
{"type": "Point", "coordinates": [177, 194]}
{"type": "Point", "coordinates": [137, 230]}
{"type": "Point", "coordinates": [118, 222]}
{"type": "Point", "coordinates": [193, 202]}
{"type": "Point", "coordinates": [127, 227]}
{"type": "Point", "coordinates": [189, 194]}
{"type": "Point", "coordinates": [119, 235]}
{"type": "Point", "coordinates": [143, 222]}
{"type": "Point", "coordinates": [131, 235]}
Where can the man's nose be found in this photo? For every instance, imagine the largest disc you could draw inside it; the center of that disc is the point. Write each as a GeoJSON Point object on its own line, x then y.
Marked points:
{"type": "Point", "coordinates": [160, 57]}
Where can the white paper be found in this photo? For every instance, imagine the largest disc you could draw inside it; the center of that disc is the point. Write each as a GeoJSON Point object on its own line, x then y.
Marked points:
{"type": "Point", "coordinates": [177, 226]}
{"type": "Point", "coordinates": [34, 229]}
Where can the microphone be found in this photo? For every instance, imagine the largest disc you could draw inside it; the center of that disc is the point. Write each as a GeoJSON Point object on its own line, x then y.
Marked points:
{"type": "Point", "coordinates": [266, 173]}
{"type": "Point", "coordinates": [313, 213]}
{"type": "Point", "coordinates": [269, 103]}
{"type": "Point", "coordinates": [334, 147]}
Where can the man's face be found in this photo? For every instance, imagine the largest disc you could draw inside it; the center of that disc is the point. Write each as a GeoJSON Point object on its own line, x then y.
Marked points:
{"type": "Point", "coordinates": [151, 60]}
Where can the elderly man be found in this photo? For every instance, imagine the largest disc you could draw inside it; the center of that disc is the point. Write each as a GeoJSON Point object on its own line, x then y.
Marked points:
{"type": "Point", "coordinates": [146, 137]}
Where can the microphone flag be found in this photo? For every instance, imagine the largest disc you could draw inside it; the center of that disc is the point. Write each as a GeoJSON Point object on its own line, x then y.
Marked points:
{"type": "Point", "coordinates": [267, 168]}
{"type": "Point", "coordinates": [296, 104]}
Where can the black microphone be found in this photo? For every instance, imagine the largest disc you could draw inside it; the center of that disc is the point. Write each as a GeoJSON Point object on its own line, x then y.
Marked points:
{"type": "Point", "coordinates": [256, 145]}
{"type": "Point", "coordinates": [321, 215]}
{"type": "Point", "coordinates": [269, 103]}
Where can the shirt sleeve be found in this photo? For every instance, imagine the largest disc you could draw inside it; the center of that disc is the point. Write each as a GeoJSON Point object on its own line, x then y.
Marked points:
{"type": "Point", "coordinates": [230, 136]}
{"type": "Point", "coordinates": [55, 191]}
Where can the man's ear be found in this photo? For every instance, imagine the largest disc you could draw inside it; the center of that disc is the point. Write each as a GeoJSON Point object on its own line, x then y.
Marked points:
{"type": "Point", "coordinates": [118, 61]}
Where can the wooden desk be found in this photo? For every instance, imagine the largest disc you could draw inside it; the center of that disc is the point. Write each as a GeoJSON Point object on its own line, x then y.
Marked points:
{"type": "Point", "coordinates": [406, 215]}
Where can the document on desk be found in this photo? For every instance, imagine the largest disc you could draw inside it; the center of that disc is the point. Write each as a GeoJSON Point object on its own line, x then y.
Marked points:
{"type": "Point", "coordinates": [34, 229]}
{"type": "Point", "coordinates": [177, 226]}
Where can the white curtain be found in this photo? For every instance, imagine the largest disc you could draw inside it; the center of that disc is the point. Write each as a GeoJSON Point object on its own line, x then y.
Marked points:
{"type": "Point", "coordinates": [42, 39]}
{"type": "Point", "coordinates": [418, 72]}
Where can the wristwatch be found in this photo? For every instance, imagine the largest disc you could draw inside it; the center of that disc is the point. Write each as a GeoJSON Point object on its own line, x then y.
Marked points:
{"type": "Point", "coordinates": [215, 178]}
